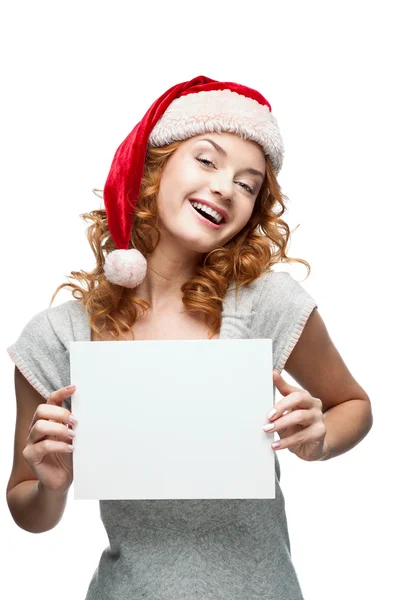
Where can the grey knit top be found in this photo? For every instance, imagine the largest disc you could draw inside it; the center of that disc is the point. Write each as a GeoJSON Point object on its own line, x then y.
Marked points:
{"type": "Point", "coordinates": [233, 549]}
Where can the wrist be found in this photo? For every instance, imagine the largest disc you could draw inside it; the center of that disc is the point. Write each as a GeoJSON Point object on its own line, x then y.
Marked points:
{"type": "Point", "coordinates": [325, 451]}
{"type": "Point", "coordinates": [49, 493]}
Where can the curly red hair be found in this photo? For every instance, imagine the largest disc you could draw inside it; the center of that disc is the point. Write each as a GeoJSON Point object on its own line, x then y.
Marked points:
{"type": "Point", "coordinates": [261, 244]}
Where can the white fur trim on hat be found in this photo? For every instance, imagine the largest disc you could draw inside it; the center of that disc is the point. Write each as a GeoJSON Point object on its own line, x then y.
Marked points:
{"type": "Point", "coordinates": [217, 111]}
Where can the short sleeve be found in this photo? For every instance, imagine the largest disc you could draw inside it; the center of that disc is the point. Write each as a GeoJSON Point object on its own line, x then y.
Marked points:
{"type": "Point", "coordinates": [41, 356]}
{"type": "Point", "coordinates": [282, 310]}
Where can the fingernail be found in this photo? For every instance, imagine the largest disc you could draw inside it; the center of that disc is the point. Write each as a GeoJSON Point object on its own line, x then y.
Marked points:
{"type": "Point", "coordinates": [268, 427]}
{"type": "Point", "coordinates": [71, 433]}
{"type": "Point", "coordinates": [276, 444]}
{"type": "Point", "coordinates": [69, 387]}
{"type": "Point", "coordinates": [272, 413]}
{"type": "Point", "coordinates": [73, 420]}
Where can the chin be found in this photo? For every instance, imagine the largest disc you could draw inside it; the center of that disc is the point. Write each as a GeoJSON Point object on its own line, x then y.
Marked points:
{"type": "Point", "coordinates": [191, 239]}
{"type": "Point", "coordinates": [199, 246]}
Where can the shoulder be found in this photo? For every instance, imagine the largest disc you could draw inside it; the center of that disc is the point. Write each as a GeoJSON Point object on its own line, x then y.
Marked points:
{"type": "Point", "coordinates": [65, 314]}
{"type": "Point", "coordinates": [70, 309]}
{"type": "Point", "coordinates": [272, 292]}
{"type": "Point", "coordinates": [266, 280]}
{"type": "Point", "coordinates": [69, 322]}
{"type": "Point", "coordinates": [280, 310]}
{"type": "Point", "coordinates": [278, 290]}
{"type": "Point", "coordinates": [54, 325]}
{"type": "Point", "coordinates": [42, 348]}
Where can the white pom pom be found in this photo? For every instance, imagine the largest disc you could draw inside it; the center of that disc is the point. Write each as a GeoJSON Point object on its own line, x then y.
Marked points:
{"type": "Point", "coordinates": [125, 267]}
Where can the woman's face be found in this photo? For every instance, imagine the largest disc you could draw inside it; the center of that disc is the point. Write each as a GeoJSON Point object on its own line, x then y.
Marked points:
{"type": "Point", "coordinates": [227, 179]}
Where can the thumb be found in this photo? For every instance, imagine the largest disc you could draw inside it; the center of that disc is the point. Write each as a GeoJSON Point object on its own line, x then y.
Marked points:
{"type": "Point", "coordinates": [283, 386]}
{"type": "Point", "coordinates": [59, 396]}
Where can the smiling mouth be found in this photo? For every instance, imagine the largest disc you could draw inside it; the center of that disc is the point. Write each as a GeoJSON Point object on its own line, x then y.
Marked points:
{"type": "Point", "coordinates": [207, 216]}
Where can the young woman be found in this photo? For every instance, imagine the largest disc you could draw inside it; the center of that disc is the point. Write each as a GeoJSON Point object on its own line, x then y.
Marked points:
{"type": "Point", "coordinates": [185, 248]}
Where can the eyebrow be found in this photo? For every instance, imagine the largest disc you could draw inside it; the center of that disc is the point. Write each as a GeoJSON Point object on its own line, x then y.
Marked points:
{"type": "Point", "coordinates": [222, 151]}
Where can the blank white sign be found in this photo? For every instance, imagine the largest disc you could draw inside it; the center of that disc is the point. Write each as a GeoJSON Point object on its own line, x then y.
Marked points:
{"type": "Point", "coordinates": [172, 419]}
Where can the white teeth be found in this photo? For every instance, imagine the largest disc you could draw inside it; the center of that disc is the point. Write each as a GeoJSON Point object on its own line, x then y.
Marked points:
{"type": "Point", "coordinates": [208, 210]}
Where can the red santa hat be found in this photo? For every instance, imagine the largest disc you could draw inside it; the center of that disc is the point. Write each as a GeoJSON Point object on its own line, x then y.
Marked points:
{"type": "Point", "coordinates": [187, 109]}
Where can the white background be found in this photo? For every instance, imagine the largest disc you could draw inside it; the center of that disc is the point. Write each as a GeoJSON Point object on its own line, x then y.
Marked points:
{"type": "Point", "coordinates": [76, 78]}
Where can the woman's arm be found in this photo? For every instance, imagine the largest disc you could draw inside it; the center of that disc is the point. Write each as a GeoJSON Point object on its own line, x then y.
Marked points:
{"type": "Point", "coordinates": [317, 366]}
{"type": "Point", "coordinates": [32, 507]}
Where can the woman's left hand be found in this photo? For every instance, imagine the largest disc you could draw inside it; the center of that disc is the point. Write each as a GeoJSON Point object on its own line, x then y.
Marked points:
{"type": "Point", "coordinates": [301, 429]}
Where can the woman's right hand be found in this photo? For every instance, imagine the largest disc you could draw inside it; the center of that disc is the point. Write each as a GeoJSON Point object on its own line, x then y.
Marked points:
{"type": "Point", "coordinates": [46, 450]}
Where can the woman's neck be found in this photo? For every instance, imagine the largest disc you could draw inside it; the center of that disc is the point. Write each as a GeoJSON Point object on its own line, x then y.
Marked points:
{"type": "Point", "coordinates": [167, 271]}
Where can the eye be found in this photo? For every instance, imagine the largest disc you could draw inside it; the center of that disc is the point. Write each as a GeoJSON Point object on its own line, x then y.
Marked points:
{"type": "Point", "coordinates": [249, 189]}
{"type": "Point", "coordinates": [209, 162]}
{"type": "Point", "coordinates": [205, 161]}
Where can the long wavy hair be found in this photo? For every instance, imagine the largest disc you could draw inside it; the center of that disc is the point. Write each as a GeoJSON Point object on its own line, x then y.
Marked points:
{"type": "Point", "coordinates": [261, 244]}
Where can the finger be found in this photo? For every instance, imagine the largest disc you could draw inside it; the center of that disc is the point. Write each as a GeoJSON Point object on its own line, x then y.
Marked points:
{"type": "Point", "coordinates": [59, 396]}
{"type": "Point", "coordinates": [308, 434]}
{"type": "Point", "coordinates": [294, 418]}
{"type": "Point", "coordinates": [286, 427]}
{"type": "Point", "coordinates": [292, 402]}
{"type": "Point", "coordinates": [43, 428]}
{"type": "Point", "coordinates": [282, 385]}
{"type": "Point", "coordinates": [34, 453]}
{"type": "Point", "coordinates": [55, 413]}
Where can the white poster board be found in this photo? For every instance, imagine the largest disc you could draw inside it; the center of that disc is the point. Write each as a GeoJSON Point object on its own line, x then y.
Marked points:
{"type": "Point", "coordinates": [172, 419]}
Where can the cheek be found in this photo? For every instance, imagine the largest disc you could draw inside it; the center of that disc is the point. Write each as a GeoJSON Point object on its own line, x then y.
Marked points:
{"type": "Point", "coordinates": [188, 180]}
{"type": "Point", "coordinates": [243, 216]}
{"type": "Point", "coordinates": [240, 220]}
{"type": "Point", "coordinates": [177, 182]}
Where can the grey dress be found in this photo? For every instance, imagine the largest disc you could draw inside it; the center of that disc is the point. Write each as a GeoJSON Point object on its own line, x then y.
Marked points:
{"type": "Point", "coordinates": [186, 549]}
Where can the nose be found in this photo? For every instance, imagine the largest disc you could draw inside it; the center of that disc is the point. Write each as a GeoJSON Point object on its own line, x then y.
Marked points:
{"type": "Point", "coordinates": [221, 184]}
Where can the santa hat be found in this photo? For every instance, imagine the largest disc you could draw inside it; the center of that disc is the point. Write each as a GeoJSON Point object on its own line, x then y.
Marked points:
{"type": "Point", "coordinates": [187, 109]}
